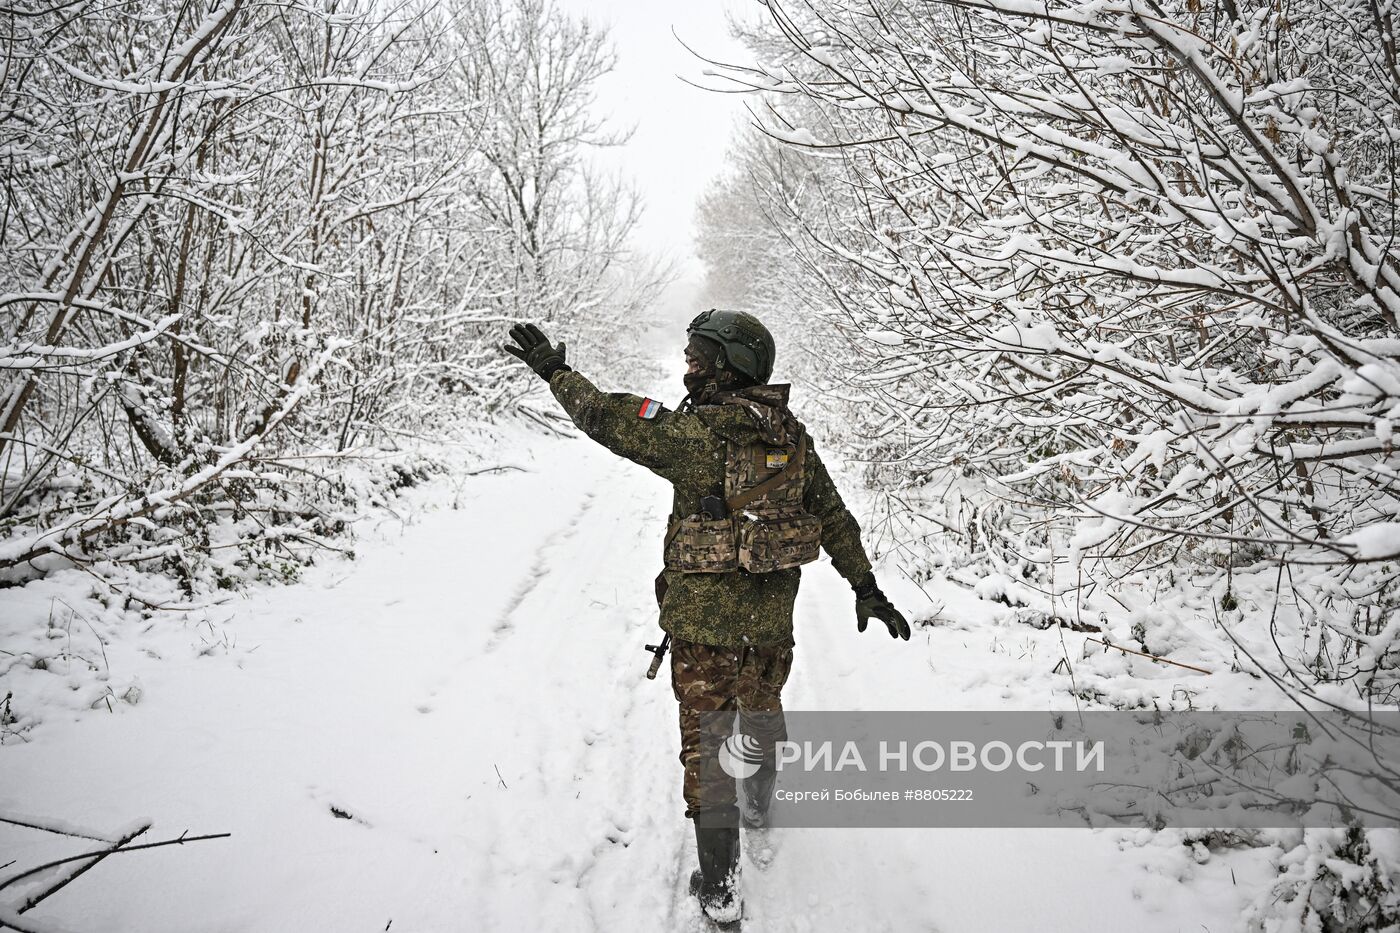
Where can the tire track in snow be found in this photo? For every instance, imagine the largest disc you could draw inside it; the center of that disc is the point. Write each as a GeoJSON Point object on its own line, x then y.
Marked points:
{"type": "Point", "coordinates": [625, 720]}
{"type": "Point", "coordinates": [587, 832]}
{"type": "Point", "coordinates": [539, 570]}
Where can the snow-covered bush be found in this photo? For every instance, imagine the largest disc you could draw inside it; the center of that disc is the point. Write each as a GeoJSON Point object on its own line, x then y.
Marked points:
{"type": "Point", "coordinates": [1110, 292]}
{"type": "Point", "coordinates": [245, 240]}
{"type": "Point", "coordinates": [1332, 881]}
{"type": "Point", "coordinates": [1112, 286]}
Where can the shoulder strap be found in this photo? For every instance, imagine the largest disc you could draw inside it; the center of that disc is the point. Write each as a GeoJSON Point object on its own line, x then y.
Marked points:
{"type": "Point", "coordinates": [793, 468]}
{"type": "Point", "coordinates": [671, 533]}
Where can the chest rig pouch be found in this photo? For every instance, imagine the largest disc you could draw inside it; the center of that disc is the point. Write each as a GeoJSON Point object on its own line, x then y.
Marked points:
{"type": "Point", "coordinates": [765, 526]}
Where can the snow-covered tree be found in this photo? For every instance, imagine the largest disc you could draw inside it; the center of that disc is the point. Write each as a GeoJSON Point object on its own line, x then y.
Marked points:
{"type": "Point", "coordinates": [1129, 266]}
{"type": "Point", "coordinates": [1112, 292]}
{"type": "Point", "coordinates": [237, 233]}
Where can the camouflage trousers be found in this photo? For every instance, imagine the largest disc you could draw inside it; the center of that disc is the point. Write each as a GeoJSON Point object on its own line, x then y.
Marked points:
{"type": "Point", "coordinates": [710, 680]}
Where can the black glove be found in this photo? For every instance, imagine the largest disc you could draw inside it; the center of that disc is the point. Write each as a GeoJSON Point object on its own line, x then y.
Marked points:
{"type": "Point", "coordinates": [535, 350]}
{"type": "Point", "coordinates": [871, 602]}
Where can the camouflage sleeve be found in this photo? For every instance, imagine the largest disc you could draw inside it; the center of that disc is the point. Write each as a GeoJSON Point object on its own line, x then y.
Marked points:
{"type": "Point", "coordinates": [659, 440]}
{"type": "Point", "coordinates": [840, 532]}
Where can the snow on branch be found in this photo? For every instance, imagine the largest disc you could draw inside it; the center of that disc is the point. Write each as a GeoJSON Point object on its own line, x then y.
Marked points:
{"type": "Point", "coordinates": [1117, 283]}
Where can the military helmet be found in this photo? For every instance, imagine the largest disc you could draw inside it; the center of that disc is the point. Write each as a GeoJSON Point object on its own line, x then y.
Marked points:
{"type": "Point", "coordinates": [745, 344]}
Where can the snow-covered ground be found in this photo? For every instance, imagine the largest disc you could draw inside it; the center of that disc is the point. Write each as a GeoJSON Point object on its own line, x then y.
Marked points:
{"type": "Point", "coordinates": [453, 732]}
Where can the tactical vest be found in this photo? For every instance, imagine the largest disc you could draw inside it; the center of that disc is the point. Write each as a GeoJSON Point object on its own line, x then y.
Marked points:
{"type": "Point", "coordinates": [766, 527]}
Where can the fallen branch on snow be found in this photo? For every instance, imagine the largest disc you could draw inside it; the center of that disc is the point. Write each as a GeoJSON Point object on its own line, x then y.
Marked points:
{"type": "Point", "coordinates": [1151, 657]}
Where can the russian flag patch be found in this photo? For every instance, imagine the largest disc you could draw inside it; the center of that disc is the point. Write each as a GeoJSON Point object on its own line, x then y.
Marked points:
{"type": "Point", "coordinates": [650, 408]}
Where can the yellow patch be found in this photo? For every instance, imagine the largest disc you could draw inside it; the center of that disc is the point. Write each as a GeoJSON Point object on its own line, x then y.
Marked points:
{"type": "Point", "coordinates": [777, 459]}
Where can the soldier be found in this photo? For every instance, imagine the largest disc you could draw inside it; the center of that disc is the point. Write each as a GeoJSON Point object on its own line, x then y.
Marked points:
{"type": "Point", "coordinates": [753, 502]}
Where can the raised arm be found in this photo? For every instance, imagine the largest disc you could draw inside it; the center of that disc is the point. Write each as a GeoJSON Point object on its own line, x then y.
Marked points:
{"type": "Point", "coordinates": [631, 426]}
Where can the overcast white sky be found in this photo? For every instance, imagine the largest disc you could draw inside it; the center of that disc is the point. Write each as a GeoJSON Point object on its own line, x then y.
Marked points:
{"type": "Point", "coordinates": [681, 133]}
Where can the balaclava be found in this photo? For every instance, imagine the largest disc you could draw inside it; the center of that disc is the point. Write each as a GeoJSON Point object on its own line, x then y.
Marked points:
{"type": "Point", "coordinates": [704, 351]}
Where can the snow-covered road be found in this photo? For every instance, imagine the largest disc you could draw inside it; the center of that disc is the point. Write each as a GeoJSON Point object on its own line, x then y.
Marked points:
{"type": "Point", "coordinates": [453, 732]}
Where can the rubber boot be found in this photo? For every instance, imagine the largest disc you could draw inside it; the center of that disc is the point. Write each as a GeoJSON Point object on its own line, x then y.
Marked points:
{"type": "Point", "coordinates": [758, 794]}
{"type": "Point", "coordinates": [714, 882]}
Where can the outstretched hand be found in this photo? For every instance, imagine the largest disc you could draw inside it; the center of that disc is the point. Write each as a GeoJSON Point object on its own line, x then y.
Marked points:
{"type": "Point", "coordinates": [870, 602]}
{"type": "Point", "coordinates": [534, 348]}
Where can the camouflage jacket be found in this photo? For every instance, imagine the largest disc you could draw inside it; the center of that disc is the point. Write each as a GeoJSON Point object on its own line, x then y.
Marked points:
{"type": "Point", "coordinates": [688, 449]}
